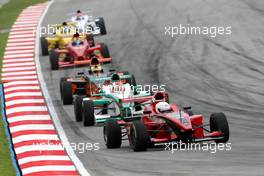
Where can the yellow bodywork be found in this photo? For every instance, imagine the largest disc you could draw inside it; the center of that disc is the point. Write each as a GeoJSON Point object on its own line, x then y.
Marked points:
{"type": "Point", "coordinates": [63, 35]}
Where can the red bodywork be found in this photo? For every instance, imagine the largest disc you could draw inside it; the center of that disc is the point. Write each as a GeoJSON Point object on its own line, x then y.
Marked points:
{"type": "Point", "coordinates": [79, 54]}
{"type": "Point", "coordinates": [173, 126]}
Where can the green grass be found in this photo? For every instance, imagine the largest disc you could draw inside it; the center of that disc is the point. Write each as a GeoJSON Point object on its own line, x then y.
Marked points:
{"type": "Point", "coordinates": [6, 167]}
{"type": "Point", "coordinates": [10, 11]}
{"type": "Point", "coordinates": [3, 39]}
{"type": "Point", "coordinates": [8, 15]}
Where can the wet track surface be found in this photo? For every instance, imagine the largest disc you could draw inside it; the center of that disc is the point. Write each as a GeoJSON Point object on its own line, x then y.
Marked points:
{"type": "Point", "coordinates": [225, 74]}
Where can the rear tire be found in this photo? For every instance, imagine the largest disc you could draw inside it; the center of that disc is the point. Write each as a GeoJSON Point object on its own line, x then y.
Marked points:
{"type": "Point", "coordinates": [88, 113]}
{"type": "Point", "coordinates": [218, 122]}
{"type": "Point", "coordinates": [66, 93]}
{"type": "Point", "coordinates": [101, 24]}
{"type": "Point", "coordinates": [44, 46]}
{"type": "Point", "coordinates": [78, 108]}
{"type": "Point", "coordinates": [139, 139]}
{"type": "Point", "coordinates": [104, 50]}
{"type": "Point", "coordinates": [112, 134]}
{"type": "Point", "coordinates": [54, 60]}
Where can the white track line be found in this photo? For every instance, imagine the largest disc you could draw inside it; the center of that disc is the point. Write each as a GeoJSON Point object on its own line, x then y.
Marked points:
{"type": "Point", "coordinates": [24, 101]}
{"type": "Point", "coordinates": [28, 137]}
{"type": "Point", "coordinates": [20, 51]}
{"type": "Point", "coordinates": [19, 64]}
{"type": "Point", "coordinates": [56, 121]}
{"type": "Point", "coordinates": [16, 83]}
{"type": "Point", "coordinates": [20, 36]}
{"type": "Point", "coordinates": [15, 60]}
{"type": "Point", "coordinates": [31, 127]}
{"type": "Point", "coordinates": [43, 158]}
{"type": "Point", "coordinates": [38, 147]}
{"type": "Point", "coordinates": [18, 69]}
{"type": "Point", "coordinates": [10, 95]}
{"type": "Point", "coordinates": [16, 48]}
{"type": "Point", "coordinates": [26, 109]}
{"type": "Point", "coordinates": [21, 44]}
{"type": "Point", "coordinates": [22, 88]}
{"type": "Point", "coordinates": [20, 78]}
{"type": "Point", "coordinates": [48, 168]}
{"type": "Point", "coordinates": [21, 40]}
{"type": "Point", "coordinates": [28, 117]}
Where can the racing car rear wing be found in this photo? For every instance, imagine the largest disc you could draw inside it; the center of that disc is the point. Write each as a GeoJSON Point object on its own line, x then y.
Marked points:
{"type": "Point", "coordinates": [136, 99]}
{"type": "Point", "coordinates": [109, 78]}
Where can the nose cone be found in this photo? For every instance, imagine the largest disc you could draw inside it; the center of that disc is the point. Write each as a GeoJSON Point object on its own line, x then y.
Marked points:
{"type": "Point", "coordinates": [80, 51]}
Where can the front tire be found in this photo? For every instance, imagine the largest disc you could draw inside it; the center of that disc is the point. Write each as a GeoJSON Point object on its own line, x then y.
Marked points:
{"type": "Point", "coordinates": [78, 108]}
{"type": "Point", "coordinates": [88, 113]}
{"type": "Point", "coordinates": [104, 50]}
{"type": "Point", "coordinates": [101, 24]}
{"type": "Point", "coordinates": [218, 122]}
{"type": "Point", "coordinates": [44, 46]}
{"type": "Point", "coordinates": [66, 93]}
{"type": "Point", "coordinates": [62, 80]}
{"type": "Point", "coordinates": [112, 134]}
{"type": "Point", "coordinates": [54, 60]}
{"type": "Point", "coordinates": [139, 139]}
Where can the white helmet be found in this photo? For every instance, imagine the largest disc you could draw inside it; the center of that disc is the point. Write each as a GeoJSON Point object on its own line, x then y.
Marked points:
{"type": "Point", "coordinates": [162, 107]}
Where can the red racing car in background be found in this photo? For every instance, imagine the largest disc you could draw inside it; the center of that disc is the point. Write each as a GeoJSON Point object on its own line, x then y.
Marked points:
{"type": "Point", "coordinates": [78, 52]}
{"type": "Point", "coordinates": [162, 122]}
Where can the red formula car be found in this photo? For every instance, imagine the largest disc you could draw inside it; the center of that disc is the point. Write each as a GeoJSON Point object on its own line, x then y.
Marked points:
{"type": "Point", "coordinates": [78, 52]}
{"type": "Point", "coordinates": [162, 122]}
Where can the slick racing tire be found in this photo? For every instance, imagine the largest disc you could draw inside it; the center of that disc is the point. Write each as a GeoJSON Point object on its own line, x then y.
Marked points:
{"type": "Point", "coordinates": [54, 60]}
{"type": "Point", "coordinates": [139, 139]}
{"type": "Point", "coordinates": [88, 113]}
{"type": "Point", "coordinates": [44, 46]}
{"type": "Point", "coordinates": [62, 80]}
{"type": "Point", "coordinates": [218, 122]}
{"type": "Point", "coordinates": [112, 134]}
{"type": "Point", "coordinates": [66, 93]}
{"type": "Point", "coordinates": [78, 108]}
{"type": "Point", "coordinates": [104, 50]}
{"type": "Point", "coordinates": [101, 24]}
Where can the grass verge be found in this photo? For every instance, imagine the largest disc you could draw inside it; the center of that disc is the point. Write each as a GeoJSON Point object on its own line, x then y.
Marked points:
{"type": "Point", "coordinates": [8, 15]}
{"type": "Point", "coordinates": [10, 11]}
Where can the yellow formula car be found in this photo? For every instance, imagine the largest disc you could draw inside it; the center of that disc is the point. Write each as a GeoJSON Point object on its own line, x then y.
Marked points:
{"type": "Point", "coordinates": [62, 35]}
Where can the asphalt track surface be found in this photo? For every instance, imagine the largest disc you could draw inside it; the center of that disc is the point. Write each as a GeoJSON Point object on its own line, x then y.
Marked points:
{"type": "Point", "coordinates": [225, 74]}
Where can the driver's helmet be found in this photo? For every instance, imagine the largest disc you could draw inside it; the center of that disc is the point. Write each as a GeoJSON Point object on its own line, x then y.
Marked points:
{"type": "Point", "coordinates": [78, 15]}
{"type": "Point", "coordinates": [65, 27]}
{"type": "Point", "coordinates": [115, 78]}
{"type": "Point", "coordinates": [116, 81]}
{"type": "Point", "coordinates": [162, 107]}
{"type": "Point", "coordinates": [95, 65]}
{"type": "Point", "coordinates": [76, 39]}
